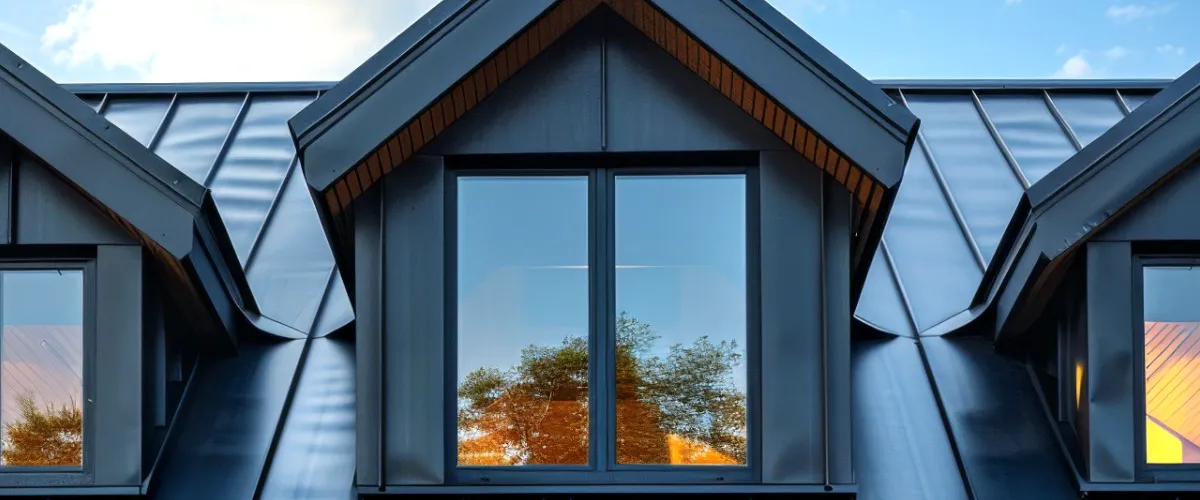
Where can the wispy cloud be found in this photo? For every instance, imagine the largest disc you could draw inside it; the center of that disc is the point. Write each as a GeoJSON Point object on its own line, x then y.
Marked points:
{"type": "Point", "coordinates": [1135, 11]}
{"type": "Point", "coordinates": [1117, 52]}
{"type": "Point", "coordinates": [10, 29]}
{"type": "Point", "coordinates": [1075, 67]}
{"type": "Point", "coordinates": [1171, 49]}
{"type": "Point", "coordinates": [1062, 49]}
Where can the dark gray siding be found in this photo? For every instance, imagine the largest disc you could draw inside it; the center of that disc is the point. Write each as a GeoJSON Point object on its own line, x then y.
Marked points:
{"type": "Point", "coordinates": [399, 278]}
{"type": "Point", "coordinates": [604, 87]}
{"type": "Point", "coordinates": [48, 211]}
{"type": "Point", "coordinates": [116, 396]}
{"type": "Point", "coordinates": [799, 322]}
{"type": "Point", "coordinates": [1170, 214]}
{"type": "Point", "coordinates": [1111, 362]}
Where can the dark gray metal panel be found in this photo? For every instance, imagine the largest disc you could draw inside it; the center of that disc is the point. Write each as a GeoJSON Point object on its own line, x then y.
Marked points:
{"type": "Point", "coordinates": [335, 309]}
{"type": "Point", "coordinates": [71, 138]}
{"type": "Point", "coordinates": [901, 449]}
{"type": "Point", "coordinates": [314, 459]}
{"type": "Point", "coordinates": [837, 238]}
{"type": "Point", "coordinates": [881, 305]}
{"type": "Point", "coordinates": [1169, 214]}
{"type": "Point", "coordinates": [51, 212]}
{"type": "Point", "coordinates": [367, 122]}
{"type": "Point", "coordinates": [1006, 443]}
{"type": "Point", "coordinates": [551, 105]}
{"type": "Point", "coordinates": [414, 317]}
{"type": "Point", "coordinates": [1110, 362]}
{"type": "Point", "coordinates": [653, 103]}
{"type": "Point", "coordinates": [784, 68]}
{"type": "Point", "coordinates": [117, 391]}
{"type": "Point", "coordinates": [8, 160]}
{"type": "Point", "coordinates": [369, 266]}
{"type": "Point", "coordinates": [226, 425]}
{"type": "Point", "coordinates": [792, 426]}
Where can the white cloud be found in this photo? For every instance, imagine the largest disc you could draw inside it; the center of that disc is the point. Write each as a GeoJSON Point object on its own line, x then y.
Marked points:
{"type": "Point", "coordinates": [1075, 67]}
{"type": "Point", "coordinates": [1171, 49]}
{"type": "Point", "coordinates": [1117, 52]}
{"type": "Point", "coordinates": [228, 40]}
{"type": "Point", "coordinates": [1136, 11]}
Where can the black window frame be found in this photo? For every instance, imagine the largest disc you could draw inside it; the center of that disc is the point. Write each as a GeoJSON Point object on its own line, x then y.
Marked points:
{"type": "Point", "coordinates": [1158, 473]}
{"type": "Point", "coordinates": [601, 173]}
{"type": "Point", "coordinates": [63, 476]}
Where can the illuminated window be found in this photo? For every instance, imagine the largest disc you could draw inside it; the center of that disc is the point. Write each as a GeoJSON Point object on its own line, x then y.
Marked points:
{"type": "Point", "coordinates": [1171, 299]}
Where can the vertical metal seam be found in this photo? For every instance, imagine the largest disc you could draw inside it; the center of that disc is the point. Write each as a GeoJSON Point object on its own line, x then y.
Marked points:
{"type": "Point", "coordinates": [234, 127]}
{"type": "Point", "coordinates": [11, 157]}
{"type": "Point", "coordinates": [991, 127]}
{"type": "Point", "coordinates": [824, 337]}
{"type": "Point", "coordinates": [162, 124]}
{"type": "Point", "coordinates": [604, 87]}
{"type": "Point", "coordinates": [380, 426]}
{"type": "Point", "coordinates": [1062, 122]}
{"type": "Point", "coordinates": [947, 194]}
{"type": "Point", "coordinates": [270, 215]}
{"type": "Point", "coordinates": [1121, 100]}
{"type": "Point", "coordinates": [945, 417]}
{"type": "Point", "coordinates": [312, 329]}
{"type": "Point", "coordinates": [891, 264]}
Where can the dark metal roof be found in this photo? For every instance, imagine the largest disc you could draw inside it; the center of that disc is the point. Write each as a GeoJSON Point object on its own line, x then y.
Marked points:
{"type": "Point", "coordinates": [981, 144]}
{"type": "Point", "coordinates": [233, 139]}
{"type": "Point", "coordinates": [1091, 189]}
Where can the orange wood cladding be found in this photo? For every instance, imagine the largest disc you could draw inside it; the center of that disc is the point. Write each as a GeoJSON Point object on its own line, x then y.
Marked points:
{"type": "Point", "coordinates": [487, 77]}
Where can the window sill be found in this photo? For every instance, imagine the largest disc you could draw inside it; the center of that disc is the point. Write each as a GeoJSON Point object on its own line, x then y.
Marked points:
{"type": "Point", "coordinates": [575, 491]}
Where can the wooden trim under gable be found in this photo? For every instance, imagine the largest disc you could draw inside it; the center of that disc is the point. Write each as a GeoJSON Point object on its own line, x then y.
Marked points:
{"type": "Point", "coordinates": [666, 33]}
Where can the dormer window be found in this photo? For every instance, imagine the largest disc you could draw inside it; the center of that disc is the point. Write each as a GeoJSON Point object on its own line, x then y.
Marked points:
{"type": "Point", "coordinates": [602, 323]}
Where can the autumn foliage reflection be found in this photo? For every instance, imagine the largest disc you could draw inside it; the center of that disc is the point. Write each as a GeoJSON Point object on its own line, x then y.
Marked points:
{"type": "Point", "coordinates": [44, 436]}
{"type": "Point", "coordinates": [684, 408]}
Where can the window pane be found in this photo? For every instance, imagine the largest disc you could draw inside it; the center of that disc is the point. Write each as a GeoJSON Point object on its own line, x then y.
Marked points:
{"type": "Point", "coordinates": [41, 381]}
{"type": "Point", "coordinates": [681, 319]}
{"type": "Point", "coordinates": [523, 316]}
{"type": "Point", "coordinates": [1172, 322]}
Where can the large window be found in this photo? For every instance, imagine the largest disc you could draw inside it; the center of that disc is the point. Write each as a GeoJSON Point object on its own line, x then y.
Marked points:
{"type": "Point", "coordinates": [601, 323]}
{"type": "Point", "coordinates": [1171, 315]}
{"type": "Point", "coordinates": [41, 366]}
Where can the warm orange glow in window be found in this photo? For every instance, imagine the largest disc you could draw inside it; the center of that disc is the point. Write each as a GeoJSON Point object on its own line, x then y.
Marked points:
{"type": "Point", "coordinates": [1173, 392]}
{"type": "Point", "coordinates": [1078, 383]}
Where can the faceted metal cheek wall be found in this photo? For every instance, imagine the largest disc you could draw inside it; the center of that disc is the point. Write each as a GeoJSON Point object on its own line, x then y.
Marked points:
{"type": "Point", "coordinates": [238, 145]}
{"type": "Point", "coordinates": [977, 152]}
{"type": "Point", "coordinates": [484, 80]}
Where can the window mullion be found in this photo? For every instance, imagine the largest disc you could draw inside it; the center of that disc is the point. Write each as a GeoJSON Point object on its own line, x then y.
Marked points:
{"type": "Point", "coordinates": [602, 272]}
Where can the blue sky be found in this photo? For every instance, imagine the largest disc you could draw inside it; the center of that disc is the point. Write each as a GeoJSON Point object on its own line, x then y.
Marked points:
{"type": "Point", "coordinates": [266, 40]}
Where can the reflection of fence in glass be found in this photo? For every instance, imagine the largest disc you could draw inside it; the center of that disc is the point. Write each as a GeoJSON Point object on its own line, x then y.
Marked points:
{"type": "Point", "coordinates": [1172, 392]}
{"type": "Point", "coordinates": [681, 409]}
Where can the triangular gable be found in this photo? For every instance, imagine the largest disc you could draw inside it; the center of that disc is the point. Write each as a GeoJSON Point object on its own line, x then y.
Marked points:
{"type": "Point", "coordinates": [459, 54]}
{"type": "Point", "coordinates": [159, 206]}
{"type": "Point", "coordinates": [1087, 194]}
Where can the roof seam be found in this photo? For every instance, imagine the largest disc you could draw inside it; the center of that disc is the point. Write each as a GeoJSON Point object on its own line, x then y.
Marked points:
{"type": "Point", "coordinates": [1121, 100]}
{"type": "Point", "coordinates": [947, 194]}
{"type": "Point", "coordinates": [887, 258]}
{"type": "Point", "coordinates": [162, 125]}
{"type": "Point", "coordinates": [224, 149]}
{"type": "Point", "coordinates": [1008, 156]}
{"type": "Point", "coordinates": [1062, 122]}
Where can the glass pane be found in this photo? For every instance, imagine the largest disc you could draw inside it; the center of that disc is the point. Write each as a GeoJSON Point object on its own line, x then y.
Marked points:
{"type": "Point", "coordinates": [41, 381]}
{"type": "Point", "coordinates": [681, 320]}
{"type": "Point", "coordinates": [1172, 322]}
{"type": "Point", "coordinates": [523, 320]}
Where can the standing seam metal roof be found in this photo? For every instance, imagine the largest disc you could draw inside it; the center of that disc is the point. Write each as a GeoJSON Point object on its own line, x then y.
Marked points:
{"type": "Point", "coordinates": [981, 144]}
